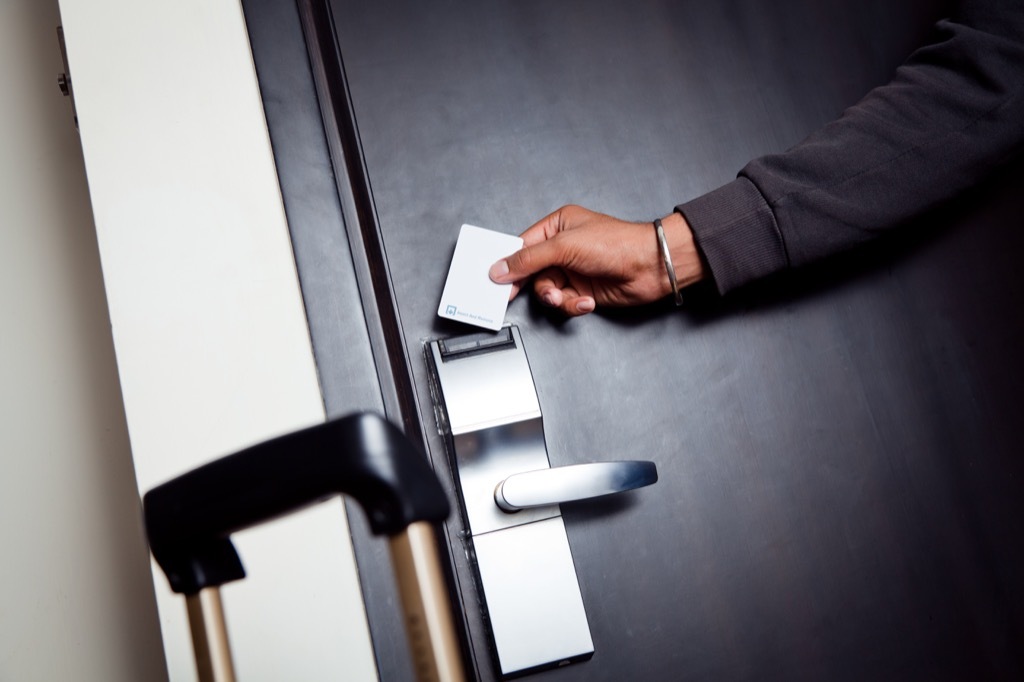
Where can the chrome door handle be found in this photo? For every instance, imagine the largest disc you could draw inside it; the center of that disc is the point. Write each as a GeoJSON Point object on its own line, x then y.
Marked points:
{"type": "Point", "coordinates": [489, 412]}
{"type": "Point", "coordinates": [575, 482]}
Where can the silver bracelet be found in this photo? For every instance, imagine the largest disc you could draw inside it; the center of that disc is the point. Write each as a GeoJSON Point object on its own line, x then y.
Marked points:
{"type": "Point", "coordinates": [667, 257]}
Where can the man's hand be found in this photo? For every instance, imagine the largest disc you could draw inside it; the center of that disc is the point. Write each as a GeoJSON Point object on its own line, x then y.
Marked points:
{"type": "Point", "coordinates": [583, 259]}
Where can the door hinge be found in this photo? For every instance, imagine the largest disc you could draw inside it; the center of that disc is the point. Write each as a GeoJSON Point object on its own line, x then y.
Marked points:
{"type": "Point", "coordinates": [64, 79]}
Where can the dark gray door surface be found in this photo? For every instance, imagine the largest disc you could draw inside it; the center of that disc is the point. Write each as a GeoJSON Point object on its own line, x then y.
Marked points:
{"type": "Point", "coordinates": [840, 450]}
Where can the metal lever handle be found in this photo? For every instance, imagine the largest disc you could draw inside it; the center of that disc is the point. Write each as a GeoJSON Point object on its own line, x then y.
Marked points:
{"type": "Point", "coordinates": [575, 482]}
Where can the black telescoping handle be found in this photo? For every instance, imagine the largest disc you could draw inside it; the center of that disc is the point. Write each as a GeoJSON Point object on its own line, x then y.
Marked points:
{"type": "Point", "coordinates": [189, 520]}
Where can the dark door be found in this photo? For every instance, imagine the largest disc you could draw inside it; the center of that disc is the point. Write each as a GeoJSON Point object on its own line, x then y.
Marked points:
{"type": "Point", "coordinates": [839, 450]}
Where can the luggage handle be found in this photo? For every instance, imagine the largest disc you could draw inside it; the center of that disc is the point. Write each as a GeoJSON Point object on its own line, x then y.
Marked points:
{"type": "Point", "coordinates": [189, 521]}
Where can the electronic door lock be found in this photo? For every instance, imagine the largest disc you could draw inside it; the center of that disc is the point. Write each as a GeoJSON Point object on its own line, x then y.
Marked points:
{"type": "Point", "coordinates": [488, 406]}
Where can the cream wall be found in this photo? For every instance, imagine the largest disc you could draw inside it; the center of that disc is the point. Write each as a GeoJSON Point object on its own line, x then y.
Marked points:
{"type": "Point", "coordinates": [212, 350]}
{"type": "Point", "coordinates": [76, 599]}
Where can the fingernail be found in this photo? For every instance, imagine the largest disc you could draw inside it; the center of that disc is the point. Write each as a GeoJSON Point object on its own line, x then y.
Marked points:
{"type": "Point", "coordinates": [552, 297]}
{"type": "Point", "coordinates": [585, 305]}
{"type": "Point", "coordinates": [498, 271]}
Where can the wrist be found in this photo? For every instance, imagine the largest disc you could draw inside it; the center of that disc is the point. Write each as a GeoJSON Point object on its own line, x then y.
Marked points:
{"type": "Point", "coordinates": [686, 259]}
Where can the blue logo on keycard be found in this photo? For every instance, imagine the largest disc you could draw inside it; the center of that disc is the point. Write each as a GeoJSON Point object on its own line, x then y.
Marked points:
{"type": "Point", "coordinates": [450, 310]}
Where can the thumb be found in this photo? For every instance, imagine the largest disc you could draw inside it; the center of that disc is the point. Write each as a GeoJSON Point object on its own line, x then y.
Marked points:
{"type": "Point", "coordinates": [527, 261]}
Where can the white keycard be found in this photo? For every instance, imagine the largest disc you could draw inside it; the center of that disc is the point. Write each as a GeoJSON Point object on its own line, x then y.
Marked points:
{"type": "Point", "coordinates": [469, 294]}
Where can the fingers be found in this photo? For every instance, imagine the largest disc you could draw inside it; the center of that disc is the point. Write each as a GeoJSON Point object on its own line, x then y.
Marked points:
{"type": "Point", "coordinates": [566, 299]}
{"type": "Point", "coordinates": [570, 301]}
{"type": "Point", "coordinates": [501, 272]}
{"type": "Point", "coordinates": [553, 287]}
{"type": "Point", "coordinates": [548, 286]}
{"type": "Point", "coordinates": [527, 261]}
{"type": "Point", "coordinates": [545, 228]}
{"type": "Point", "coordinates": [542, 253]}
{"type": "Point", "coordinates": [580, 305]}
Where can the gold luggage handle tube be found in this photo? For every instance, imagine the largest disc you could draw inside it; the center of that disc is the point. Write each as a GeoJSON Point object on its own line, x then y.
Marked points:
{"type": "Point", "coordinates": [428, 619]}
{"type": "Point", "coordinates": [210, 636]}
{"type": "Point", "coordinates": [189, 522]}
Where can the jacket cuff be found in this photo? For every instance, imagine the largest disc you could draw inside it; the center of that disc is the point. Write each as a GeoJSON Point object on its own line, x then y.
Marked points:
{"type": "Point", "coordinates": [735, 231]}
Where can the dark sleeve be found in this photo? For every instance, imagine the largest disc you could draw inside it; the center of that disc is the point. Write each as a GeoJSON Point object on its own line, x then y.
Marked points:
{"type": "Point", "coordinates": [952, 113]}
